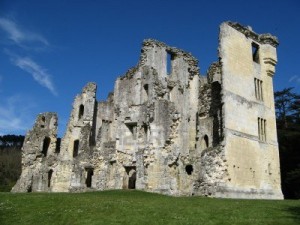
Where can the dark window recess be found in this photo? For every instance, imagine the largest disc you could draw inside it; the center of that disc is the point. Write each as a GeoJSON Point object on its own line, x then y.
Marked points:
{"type": "Point", "coordinates": [50, 172]}
{"type": "Point", "coordinates": [206, 141]}
{"type": "Point", "coordinates": [58, 142]}
{"type": "Point", "coordinates": [43, 122]}
{"type": "Point", "coordinates": [75, 148]}
{"type": "Point", "coordinates": [81, 111]}
{"type": "Point", "coordinates": [189, 169]}
{"type": "Point", "coordinates": [255, 52]}
{"type": "Point", "coordinates": [146, 87]}
{"type": "Point", "coordinates": [89, 176]}
{"type": "Point", "coordinates": [46, 145]}
{"type": "Point", "coordinates": [132, 180]}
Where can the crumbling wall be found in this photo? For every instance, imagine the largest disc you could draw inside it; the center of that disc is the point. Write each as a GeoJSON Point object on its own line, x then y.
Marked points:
{"type": "Point", "coordinates": [167, 129]}
{"type": "Point", "coordinates": [39, 155]}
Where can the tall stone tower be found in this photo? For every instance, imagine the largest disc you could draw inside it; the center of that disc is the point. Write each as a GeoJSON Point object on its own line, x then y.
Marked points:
{"type": "Point", "coordinates": [250, 139]}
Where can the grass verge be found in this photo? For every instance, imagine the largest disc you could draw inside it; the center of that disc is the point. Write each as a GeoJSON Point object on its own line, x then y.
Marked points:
{"type": "Point", "coordinates": [136, 207]}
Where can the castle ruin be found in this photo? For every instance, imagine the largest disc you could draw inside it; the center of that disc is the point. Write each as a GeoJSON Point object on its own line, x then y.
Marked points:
{"type": "Point", "coordinates": [167, 129]}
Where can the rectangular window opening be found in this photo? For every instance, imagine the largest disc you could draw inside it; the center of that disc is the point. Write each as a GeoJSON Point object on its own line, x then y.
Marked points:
{"type": "Point", "coordinates": [75, 148]}
{"type": "Point", "coordinates": [89, 176]}
{"type": "Point", "coordinates": [258, 89]}
{"type": "Point", "coordinates": [255, 52]}
{"type": "Point", "coordinates": [262, 134]}
{"type": "Point", "coordinates": [170, 58]}
{"type": "Point", "coordinates": [146, 94]}
{"type": "Point", "coordinates": [58, 143]}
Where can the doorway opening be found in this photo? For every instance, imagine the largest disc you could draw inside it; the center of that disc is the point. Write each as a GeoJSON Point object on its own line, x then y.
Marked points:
{"type": "Point", "coordinates": [130, 177]}
{"type": "Point", "coordinates": [89, 176]}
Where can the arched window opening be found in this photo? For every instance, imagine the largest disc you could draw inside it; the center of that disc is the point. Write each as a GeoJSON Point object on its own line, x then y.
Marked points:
{"type": "Point", "coordinates": [206, 141]}
{"type": "Point", "coordinates": [50, 172]}
{"type": "Point", "coordinates": [75, 148]}
{"type": "Point", "coordinates": [89, 175]}
{"type": "Point", "coordinates": [189, 169]}
{"type": "Point", "coordinates": [46, 145]}
{"type": "Point", "coordinates": [81, 111]}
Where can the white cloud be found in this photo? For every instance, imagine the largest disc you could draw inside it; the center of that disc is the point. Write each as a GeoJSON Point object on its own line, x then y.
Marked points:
{"type": "Point", "coordinates": [295, 78]}
{"type": "Point", "coordinates": [38, 73]}
{"type": "Point", "coordinates": [15, 114]}
{"type": "Point", "coordinates": [20, 36]}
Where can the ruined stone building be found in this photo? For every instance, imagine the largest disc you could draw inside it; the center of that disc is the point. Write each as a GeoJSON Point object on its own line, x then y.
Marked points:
{"type": "Point", "coordinates": [168, 129]}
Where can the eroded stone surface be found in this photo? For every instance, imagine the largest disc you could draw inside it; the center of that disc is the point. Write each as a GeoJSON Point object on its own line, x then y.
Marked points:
{"type": "Point", "coordinates": [173, 132]}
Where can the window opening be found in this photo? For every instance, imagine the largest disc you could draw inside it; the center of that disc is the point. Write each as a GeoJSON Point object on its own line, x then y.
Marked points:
{"type": "Point", "coordinates": [255, 52]}
{"type": "Point", "coordinates": [81, 111]}
{"type": "Point", "coordinates": [133, 129]}
{"type": "Point", "coordinates": [206, 141]}
{"type": "Point", "coordinates": [170, 58]}
{"type": "Point", "coordinates": [189, 169]}
{"type": "Point", "coordinates": [89, 175]}
{"type": "Point", "coordinates": [258, 89]}
{"type": "Point", "coordinates": [146, 88]}
{"type": "Point", "coordinates": [43, 122]}
{"type": "Point", "coordinates": [50, 172]}
{"type": "Point", "coordinates": [46, 144]}
{"type": "Point", "coordinates": [58, 142]}
{"type": "Point", "coordinates": [75, 148]}
{"type": "Point", "coordinates": [262, 134]}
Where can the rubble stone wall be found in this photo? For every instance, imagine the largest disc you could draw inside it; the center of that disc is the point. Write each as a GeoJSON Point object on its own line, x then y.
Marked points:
{"type": "Point", "coordinates": [167, 129]}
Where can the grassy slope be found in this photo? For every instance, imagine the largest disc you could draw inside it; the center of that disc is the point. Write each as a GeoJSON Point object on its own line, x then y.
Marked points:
{"type": "Point", "coordinates": [135, 207]}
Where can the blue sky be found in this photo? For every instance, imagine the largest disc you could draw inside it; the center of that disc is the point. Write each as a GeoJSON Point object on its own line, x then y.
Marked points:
{"type": "Point", "coordinates": [50, 49]}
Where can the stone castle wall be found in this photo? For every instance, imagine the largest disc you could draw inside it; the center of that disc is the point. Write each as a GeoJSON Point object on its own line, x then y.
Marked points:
{"type": "Point", "coordinates": [167, 129]}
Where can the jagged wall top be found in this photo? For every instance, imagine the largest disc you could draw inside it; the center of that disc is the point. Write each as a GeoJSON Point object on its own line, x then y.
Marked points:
{"type": "Point", "coordinates": [187, 56]}
{"type": "Point", "coordinates": [248, 32]}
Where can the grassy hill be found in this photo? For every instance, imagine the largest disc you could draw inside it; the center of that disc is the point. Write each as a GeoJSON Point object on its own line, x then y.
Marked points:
{"type": "Point", "coordinates": [136, 207]}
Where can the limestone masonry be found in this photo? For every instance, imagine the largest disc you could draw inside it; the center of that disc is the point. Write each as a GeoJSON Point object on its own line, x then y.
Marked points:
{"type": "Point", "coordinates": [167, 129]}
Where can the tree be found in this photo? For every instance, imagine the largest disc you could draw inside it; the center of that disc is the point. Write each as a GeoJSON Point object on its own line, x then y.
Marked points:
{"type": "Point", "coordinates": [287, 105]}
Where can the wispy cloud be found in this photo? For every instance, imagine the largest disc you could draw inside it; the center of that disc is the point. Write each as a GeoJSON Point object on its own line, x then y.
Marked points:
{"type": "Point", "coordinates": [294, 79]}
{"type": "Point", "coordinates": [15, 114]}
{"type": "Point", "coordinates": [21, 36]}
{"type": "Point", "coordinates": [38, 73]}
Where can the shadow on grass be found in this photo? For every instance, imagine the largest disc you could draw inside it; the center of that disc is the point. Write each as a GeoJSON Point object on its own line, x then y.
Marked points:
{"type": "Point", "coordinates": [295, 212]}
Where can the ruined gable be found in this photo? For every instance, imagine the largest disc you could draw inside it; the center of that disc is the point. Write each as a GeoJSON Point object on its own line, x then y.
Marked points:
{"type": "Point", "coordinates": [168, 129]}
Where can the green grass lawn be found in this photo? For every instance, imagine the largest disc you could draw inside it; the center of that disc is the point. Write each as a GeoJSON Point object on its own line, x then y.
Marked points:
{"type": "Point", "coordinates": [136, 207]}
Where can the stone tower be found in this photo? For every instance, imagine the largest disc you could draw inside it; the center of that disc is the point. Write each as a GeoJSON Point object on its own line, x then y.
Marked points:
{"type": "Point", "coordinates": [250, 139]}
{"type": "Point", "coordinates": [167, 129]}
